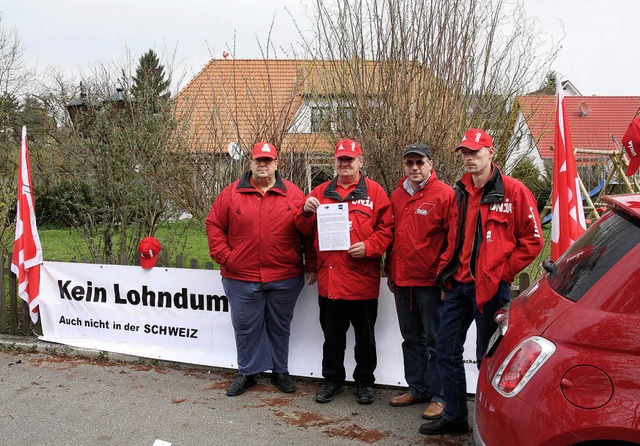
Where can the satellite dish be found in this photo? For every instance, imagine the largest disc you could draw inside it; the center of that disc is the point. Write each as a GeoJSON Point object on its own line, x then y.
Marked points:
{"type": "Point", "coordinates": [233, 150]}
{"type": "Point", "coordinates": [584, 110]}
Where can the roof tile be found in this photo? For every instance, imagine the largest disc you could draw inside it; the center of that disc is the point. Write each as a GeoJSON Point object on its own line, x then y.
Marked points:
{"type": "Point", "coordinates": [605, 116]}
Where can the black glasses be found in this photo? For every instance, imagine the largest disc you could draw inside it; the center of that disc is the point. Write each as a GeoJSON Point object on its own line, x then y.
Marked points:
{"type": "Point", "coordinates": [410, 163]}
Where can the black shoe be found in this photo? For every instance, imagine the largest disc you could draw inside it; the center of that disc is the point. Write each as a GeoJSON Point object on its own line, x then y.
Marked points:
{"type": "Point", "coordinates": [443, 426]}
{"type": "Point", "coordinates": [283, 382]}
{"type": "Point", "coordinates": [328, 392]}
{"type": "Point", "coordinates": [240, 384]}
{"type": "Point", "coordinates": [364, 395]}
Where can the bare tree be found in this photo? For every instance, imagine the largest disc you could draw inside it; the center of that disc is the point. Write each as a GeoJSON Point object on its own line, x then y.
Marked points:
{"type": "Point", "coordinates": [14, 78]}
{"type": "Point", "coordinates": [416, 70]}
{"type": "Point", "coordinates": [229, 107]}
{"type": "Point", "coordinates": [116, 162]}
{"type": "Point", "coordinates": [14, 75]}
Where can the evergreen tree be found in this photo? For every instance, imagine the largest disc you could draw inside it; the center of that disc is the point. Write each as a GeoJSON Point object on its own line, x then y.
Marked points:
{"type": "Point", "coordinates": [10, 118]}
{"type": "Point", "coordinates": [150, 85]}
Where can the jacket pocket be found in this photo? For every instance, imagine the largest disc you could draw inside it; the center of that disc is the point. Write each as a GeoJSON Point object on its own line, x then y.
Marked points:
{"type": "Point", "coordinates": [498, 244]}
{"type": "Point", "coordinates": [365, 266]}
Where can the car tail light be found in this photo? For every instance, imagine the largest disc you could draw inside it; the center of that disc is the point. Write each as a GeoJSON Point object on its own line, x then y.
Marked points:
{"type": "Point", "coordinates": [521, 364]}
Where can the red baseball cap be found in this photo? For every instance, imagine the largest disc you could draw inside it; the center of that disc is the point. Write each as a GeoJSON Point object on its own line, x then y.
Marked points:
{"type": "Point", "coordinates": [348, 148]}
{"type": "Point", "coordinates": [149, 248]}
{"type": "Point", "coordinates": [631, 143]}
{"type": "Point", "coordinates": [264, 150]}
{"type": "Point", "coordinates": [475, 139]}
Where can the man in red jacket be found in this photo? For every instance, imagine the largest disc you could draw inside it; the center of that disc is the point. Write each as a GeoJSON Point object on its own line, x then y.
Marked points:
{"type": "Point", "coordinates": [349, 280]}
{"type": "Point", "coordinates": [422, 208]}
{"type": "Point", "coordinates": [253, 237]}
{"type": "Point", "coordinates": [494, 235]}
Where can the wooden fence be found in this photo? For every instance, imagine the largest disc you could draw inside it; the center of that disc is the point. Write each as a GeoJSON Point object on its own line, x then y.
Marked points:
{"type": "Point", "coordinates": [14, 312]}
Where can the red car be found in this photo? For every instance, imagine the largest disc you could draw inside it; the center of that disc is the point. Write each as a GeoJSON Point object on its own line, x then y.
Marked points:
{"type": "Point", "coordinates": [564, 366]}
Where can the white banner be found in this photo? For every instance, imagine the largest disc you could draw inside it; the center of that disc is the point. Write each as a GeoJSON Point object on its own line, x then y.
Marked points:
{"type": "Point", "coordinates": [183, 315]}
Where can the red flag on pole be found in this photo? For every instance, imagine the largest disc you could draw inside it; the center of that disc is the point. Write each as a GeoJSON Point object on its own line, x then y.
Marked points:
{"type": "Point", "coordinates": [27, 252]}
{"type": "Point", "coordinates": [567, 223]}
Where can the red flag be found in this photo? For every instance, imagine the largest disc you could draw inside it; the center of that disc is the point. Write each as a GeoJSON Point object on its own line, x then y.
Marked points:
{"type": "Point", "coordinates": [567, 223]}
{"type": "Point", "coordinates": [27, 252]}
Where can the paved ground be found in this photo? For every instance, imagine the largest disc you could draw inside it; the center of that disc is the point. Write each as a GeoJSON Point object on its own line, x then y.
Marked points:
{"type": "Point", "coordinates": [53, 395]}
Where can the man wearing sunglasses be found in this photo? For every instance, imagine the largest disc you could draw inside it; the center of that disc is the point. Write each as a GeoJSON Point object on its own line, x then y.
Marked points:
{"type": "Point", "coordinates": [422, 207]}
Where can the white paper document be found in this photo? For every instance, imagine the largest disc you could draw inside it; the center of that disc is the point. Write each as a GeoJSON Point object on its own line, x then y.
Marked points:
{"type": "Point", "coordinates": [333, 227]}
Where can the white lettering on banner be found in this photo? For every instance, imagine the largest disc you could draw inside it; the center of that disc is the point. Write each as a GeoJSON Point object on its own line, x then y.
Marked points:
{"type": "Point", "coordinates": [631, 149]}
{"type": "Point", "coordinates": [78, 307]}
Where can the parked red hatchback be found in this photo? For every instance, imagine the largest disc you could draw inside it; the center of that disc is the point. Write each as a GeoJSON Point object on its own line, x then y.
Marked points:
{"type": "Point", "coordinates": [564, 365]}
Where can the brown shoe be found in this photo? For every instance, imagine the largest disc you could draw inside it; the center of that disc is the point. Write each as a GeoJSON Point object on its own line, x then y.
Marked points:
{"type": "Point", "coordinates": [433, 411]}
{"type": "Point", "coordinates": [406, 399]}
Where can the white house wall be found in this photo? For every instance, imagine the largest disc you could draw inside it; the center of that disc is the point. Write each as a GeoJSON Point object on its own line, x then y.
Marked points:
{"type": "Point", "coordinates": [522, 146]}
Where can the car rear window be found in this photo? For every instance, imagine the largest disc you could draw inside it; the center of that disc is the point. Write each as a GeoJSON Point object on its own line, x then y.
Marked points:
{"type": "Point", "coordinates": [591, 256]}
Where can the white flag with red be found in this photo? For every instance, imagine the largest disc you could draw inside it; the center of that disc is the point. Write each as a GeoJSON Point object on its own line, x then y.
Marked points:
{"type": "Point", "coordinates": [27, 252]}
{"type": "Point", "coordinates": [567, 222]}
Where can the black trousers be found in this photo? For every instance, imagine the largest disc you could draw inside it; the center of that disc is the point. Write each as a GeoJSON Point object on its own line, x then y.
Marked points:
{"type": "Point", "coordinates": [335, 317]}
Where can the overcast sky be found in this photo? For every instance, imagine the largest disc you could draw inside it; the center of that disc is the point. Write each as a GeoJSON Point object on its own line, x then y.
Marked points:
{"type": "Point", "coordinates": [599, 46]}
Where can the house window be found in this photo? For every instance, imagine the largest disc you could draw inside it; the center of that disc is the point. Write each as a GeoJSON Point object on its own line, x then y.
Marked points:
{"type": "Point", "coordinates": [320, 119]}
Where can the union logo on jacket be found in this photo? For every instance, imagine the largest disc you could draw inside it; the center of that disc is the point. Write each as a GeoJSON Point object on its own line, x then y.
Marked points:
{"type": "Point", "coordinates": [341, 276]}
{"type": "Point", "coordinates": [507, 236]}
{"type": "Point", "coordinates": [421, 224]}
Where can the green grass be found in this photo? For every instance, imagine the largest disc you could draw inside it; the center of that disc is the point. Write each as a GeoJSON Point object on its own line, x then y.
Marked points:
{"type": "Point", "coordinates": [62, 245]}
{"type": "Point", "coordinates": [535, 269]}
{"type": "Point", "coordinates": [68, 245]}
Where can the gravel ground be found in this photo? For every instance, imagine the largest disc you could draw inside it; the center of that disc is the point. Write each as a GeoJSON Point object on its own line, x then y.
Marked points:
{"type": "Point", "coordinates": [55, 395]}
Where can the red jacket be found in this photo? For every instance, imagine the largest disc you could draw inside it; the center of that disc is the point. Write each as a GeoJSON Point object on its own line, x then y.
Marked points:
{"type": "Point", "coordinates": [253, 237]}
{"type": "Point", "coordinates": [421, 224]}
{"type": "Point", "coordinates": [508, 235]}
{"type": "Point", "coordinates": [341, 276]}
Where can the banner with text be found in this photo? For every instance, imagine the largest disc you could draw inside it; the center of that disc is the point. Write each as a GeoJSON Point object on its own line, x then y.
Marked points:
{"type": "Point", "coordinates": [183, 315]}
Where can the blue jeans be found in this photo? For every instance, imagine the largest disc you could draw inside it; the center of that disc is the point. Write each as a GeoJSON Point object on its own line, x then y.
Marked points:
{"type": "Point", "coordinates": [459, 309]}
{"type": "Point", "coordinates": [419, 318]}
{"type": "Point", "coordinates": [261, 315]}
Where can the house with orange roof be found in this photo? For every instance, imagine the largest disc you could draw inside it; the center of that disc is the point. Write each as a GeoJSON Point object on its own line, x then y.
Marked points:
{"type": "Point", "coordinates": [301, 106]}
{"type": "Point", "coordinates": [594, 122]}
{"type": "Point", "coordinates": [233, 103]}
